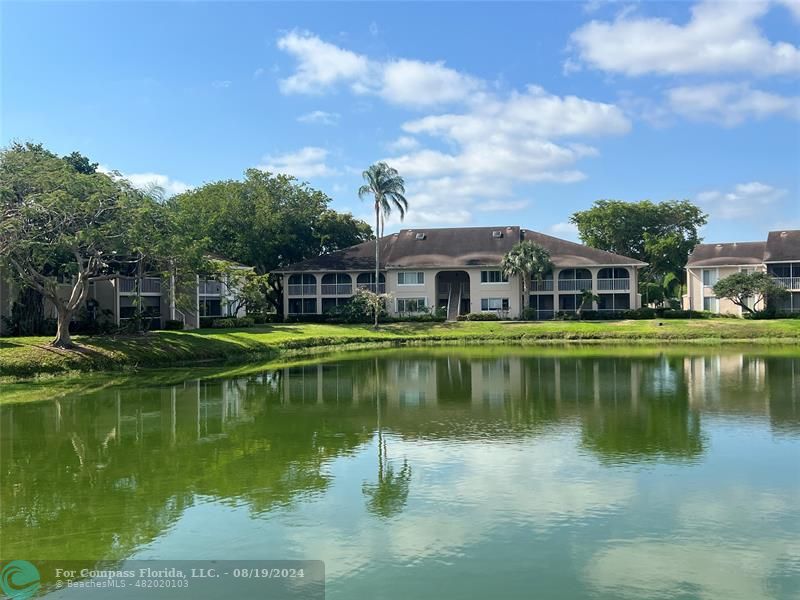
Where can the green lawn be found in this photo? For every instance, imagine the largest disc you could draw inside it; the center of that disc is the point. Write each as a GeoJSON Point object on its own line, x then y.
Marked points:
{"type": "Point", "coordinates": [26, 357]}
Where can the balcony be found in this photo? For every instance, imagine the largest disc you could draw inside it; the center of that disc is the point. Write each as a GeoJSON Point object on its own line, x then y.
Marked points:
{"type": "Point", "coordinates": [574, 285]}
{"type": "Point", "coordinates": [790, 283]}
{"type": "Point", "coordinates": [302, 289]}
{"type": "Point", "coordinates": [147, 285]}
{"type": "Point", "coordinates": [337, 289]}
{"type": "Point", "coordinates": [545, 285]}
{"type": "Point", "coordinates": [614, 284]}
{"type": "Point", "coordinates": [210, 288]}
{"type": "Point", "coordinates": [370, 287]}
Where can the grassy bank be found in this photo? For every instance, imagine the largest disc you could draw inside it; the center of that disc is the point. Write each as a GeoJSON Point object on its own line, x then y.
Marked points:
{"type": "Point", "coordinates": [28, 357]}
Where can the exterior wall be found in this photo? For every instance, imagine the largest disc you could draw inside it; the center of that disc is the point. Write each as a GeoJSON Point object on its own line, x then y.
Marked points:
{"type": "Point", "coordinates": [696, 291]}
{"type": "Point", "coordinates": [477, 290]}
{"type": "Point", "coordinates": [634, 298]}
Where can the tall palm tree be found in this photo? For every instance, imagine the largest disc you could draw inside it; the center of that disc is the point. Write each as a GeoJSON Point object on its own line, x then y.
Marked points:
{"type": "Point", "coordinates": [526, 260]}
{"type": "Point", "coordinates": [385, 185]}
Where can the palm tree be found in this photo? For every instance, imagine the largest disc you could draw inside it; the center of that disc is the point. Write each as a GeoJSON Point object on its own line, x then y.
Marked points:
{"type": "Point", "coordinates": [526, 260]}
{"type": "Point", "coordinates": [386, 186]}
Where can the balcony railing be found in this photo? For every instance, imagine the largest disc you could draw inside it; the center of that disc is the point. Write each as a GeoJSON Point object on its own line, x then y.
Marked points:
{"type": "Point", "coordinates": [574, 285]}
{"type": "Point", "coordinates": [210, 288]}
{"type": "Point", "coordinates": [790, 283]}
{"type": "Point", "coordinates": [337, 289]}
{"type": "Point", "coordinates": [302, 289]}
{"type": "Point", "coordinates": [545, 285]}
{"type": "Point", "coordinates": [371, 287]}
{"type": "Point", "coordinates": [147, 285]}
{"type": "Point", "coordinates": [614, 284]}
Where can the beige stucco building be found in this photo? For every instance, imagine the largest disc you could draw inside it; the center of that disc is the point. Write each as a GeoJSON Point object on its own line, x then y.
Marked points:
{"type": "Point", "coordinates": [458, 270]}
{"type": "Point", "coordinates": [779, 256]}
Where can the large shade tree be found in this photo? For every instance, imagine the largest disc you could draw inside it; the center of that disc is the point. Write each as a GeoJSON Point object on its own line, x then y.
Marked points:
{"type": "Point", "coordinates": [527, 260]}
{"type": "Point", "coordinates": [385, 186]}
{"type": "Point", "coordinates": [749, 290]}
{"type": "Point", "coordinates": [266, 221]}
{"type": "Point", "coordinates": [62, 221]}
{"type": "Point", "coordinates": [661, 234]}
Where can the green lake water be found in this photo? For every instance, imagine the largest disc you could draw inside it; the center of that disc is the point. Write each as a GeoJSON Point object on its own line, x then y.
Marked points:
{"type": "Point", "coordinates": [431, 473]}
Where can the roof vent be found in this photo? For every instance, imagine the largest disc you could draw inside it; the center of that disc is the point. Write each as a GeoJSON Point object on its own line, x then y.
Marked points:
{"type": "Point", "coordinates": [497, 234]}
{"type": "Point", "coordinates": [419, 236]}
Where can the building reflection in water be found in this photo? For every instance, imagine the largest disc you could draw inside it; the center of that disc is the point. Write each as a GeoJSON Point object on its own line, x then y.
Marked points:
{"type": "Point", "coordinates": [101, 473]}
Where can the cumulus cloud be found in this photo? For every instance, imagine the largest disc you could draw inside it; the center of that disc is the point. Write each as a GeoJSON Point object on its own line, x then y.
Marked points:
{"type": "Point", "coordinates": [730, 104]}
{"type": "Point", "coordinates": [565, 230]}
{"type": "Point", "coordinates": [720, 37]}
{"type": "Point", "coordinates": [149, 181]}
{"type": "Point", "coordinates": [743, 201]}
{"type": "Point", "coordinates": [320, 117]}
{"type": "Point", "coordinates": [322, 65]}
{"type": "Point", "coordinates": [319, 64]}
{"type": "Point", "coordinates": [505, 138]}
{"type": "Point", "coordinates": [306, 162]}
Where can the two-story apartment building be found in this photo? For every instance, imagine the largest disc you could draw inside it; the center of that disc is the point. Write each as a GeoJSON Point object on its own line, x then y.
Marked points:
{"type": "Point", "coordinates": [779, 256]}
{"type": "Point", "coordinates": [458, 269]}
{"type": "Point", "coordinates": [117, 299]}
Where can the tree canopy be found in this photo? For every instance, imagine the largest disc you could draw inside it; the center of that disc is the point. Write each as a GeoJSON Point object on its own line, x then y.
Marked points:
{"type": "Point", "coordinates": [748, 290]}
{"type": "Point", "coordinates": [661, 234]}
{"type": "Point", "coordinates": [61, 219]}
{"type": "Point", "coordinates": [526, 259]}
{"type": "Point", "coordinates": [266, 221]}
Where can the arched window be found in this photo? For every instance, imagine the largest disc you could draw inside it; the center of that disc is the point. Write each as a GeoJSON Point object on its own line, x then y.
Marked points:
{"type": "Point", "coordinates": [302, 285]}
{"type": "Point", "coordinates": [574, 280]}
{"type": "Point", "coordinates": [305, 279]}
{"type": "Point", "coordinates": [337, 284]}
{"type": "Point", "coordinates": [366, 281]}
{"type": "Point", "coordinates": [341, 278]}
{"type": "Point", "coordinates": [616, 273]}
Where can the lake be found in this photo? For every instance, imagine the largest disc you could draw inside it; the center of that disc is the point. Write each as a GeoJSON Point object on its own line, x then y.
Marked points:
{"type": "Point", "coordinates": [431, 473]}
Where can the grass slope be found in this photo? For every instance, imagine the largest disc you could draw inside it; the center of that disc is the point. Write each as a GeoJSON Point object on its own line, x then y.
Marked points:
{"type": "Point", "coordinates": [27, 357]}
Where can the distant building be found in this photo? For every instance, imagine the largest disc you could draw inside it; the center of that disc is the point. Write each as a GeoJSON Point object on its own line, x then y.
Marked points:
{"type": "Point", "coordinates": [779, 256]}
{"type": "Point", "coordinates": [458, 269]}
{"type": "Point", "coordinates": [117, 299]}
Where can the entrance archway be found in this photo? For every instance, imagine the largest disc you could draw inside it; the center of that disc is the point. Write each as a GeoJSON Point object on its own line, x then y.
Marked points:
{"type": "Point", "coordinates": [452, 293]}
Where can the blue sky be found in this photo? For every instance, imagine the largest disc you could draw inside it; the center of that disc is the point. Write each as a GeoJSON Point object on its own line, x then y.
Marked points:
{"type": "Point", "coordinates": [495, 113]}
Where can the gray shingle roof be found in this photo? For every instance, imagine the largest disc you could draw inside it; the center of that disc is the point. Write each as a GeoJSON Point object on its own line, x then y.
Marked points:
{"type": "Point", "coordinates": [569, 254]}
{"type": "Point", "coordinates": [782, 246]}
{"type": "Point", "coordinates": [456, 247]}
{"type": "Point", "coordinates": [735, 253]}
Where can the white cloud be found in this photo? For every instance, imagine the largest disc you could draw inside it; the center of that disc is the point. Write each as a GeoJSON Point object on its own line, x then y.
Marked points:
{"type": "Point", "coordinates": [502, 205]}
{"type": "Point", "coordinates": [320, 64]}
{"type": "Point", "coordinates": [568, 231]}
{"type": "Point", "coordinates": [720, 37]}
{"type": "Point", "coordinates": [743, 201]}
{"type": "Point", "coordinates": [403, 144]}
{"type": "Point", "coordinates": [416, 83]}
{"type": "Point", "coordinates": [321, 117]}
{"type": "Point", "coordinates": [489, 140]}
{"type": "Point", "coordinates": [221, 84]}
{"type": "Point", "coordinates": [306, 162]}
{"type": "Point", "coordinates": [729, 103]}
{"type": "Point", "coordinates": [148, 181]}
{"type": "Point", "coordinates": [259, 72]}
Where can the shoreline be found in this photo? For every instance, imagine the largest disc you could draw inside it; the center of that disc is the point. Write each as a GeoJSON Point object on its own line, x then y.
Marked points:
{"type": "Point", "coordinates": [30, 358]}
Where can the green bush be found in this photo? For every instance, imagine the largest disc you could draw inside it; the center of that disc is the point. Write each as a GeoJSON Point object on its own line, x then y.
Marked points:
{"type": "Point", "coordinates": [262, 318]}
{"type": "Point", "coordinates": [482, 316]}
{"type": "Point", "coordinates": [640, 313]}
{"type": "Point", "coordinates": [228, 322]}
{"type": "Point", "coordinates": [771, 313]}
{"type": "Point", "coordinates": [686, 314]}
{"type": "Point", "coordinates": [173, 325]}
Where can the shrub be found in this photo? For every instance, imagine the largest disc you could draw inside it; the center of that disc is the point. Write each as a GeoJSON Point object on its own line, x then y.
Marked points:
{"type": "Point", "coordinates": [173, 325]}
{"type": "Point", "coordinates": [639, 313]}
{"type": "Point", "coordinates": [482, 316]}
{"type": "Point", "coordinates": [226, 322]}
{"type": "Point", "coordinates": [685, 314]}
{"type": "Point", "coordinates": [528, 314]}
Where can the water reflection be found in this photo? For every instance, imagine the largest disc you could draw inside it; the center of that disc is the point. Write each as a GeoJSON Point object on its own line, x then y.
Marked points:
{"type": "Point", "coordinates": [471, 450]}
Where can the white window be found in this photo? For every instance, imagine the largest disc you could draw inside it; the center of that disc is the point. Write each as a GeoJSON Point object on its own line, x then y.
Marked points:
{"type": "Point", "coordinates": [410, 278]}
{"type": "Point", "coordinates": [747, 270]}
{"type": "Point", "coordinates": [711, 304]}
{"type": "Point", "coordinates": [494, 303]}
{"type": "Point", "coordinates": [709, 277]}
{"type": "Point", "coordinates": [411, 305]}
{"type": "Point", "coordinates": [493, 277]}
